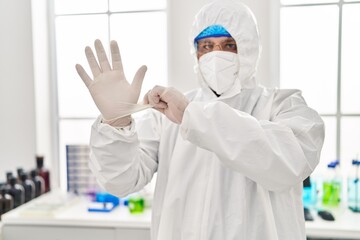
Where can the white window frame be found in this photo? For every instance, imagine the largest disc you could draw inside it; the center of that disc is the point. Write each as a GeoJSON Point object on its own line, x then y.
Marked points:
{"type": "Point", "coordinates": [57, 162]}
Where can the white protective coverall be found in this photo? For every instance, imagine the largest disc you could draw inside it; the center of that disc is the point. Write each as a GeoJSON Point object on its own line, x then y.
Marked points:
{"type": "Point", "coordinates": [233, 169]}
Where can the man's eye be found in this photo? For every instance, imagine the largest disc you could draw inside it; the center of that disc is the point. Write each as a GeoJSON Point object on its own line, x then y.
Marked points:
{"type": "Point", "coordinates": [205, 47]}
{"type": "Point", "coordinates": [231, 46]}
{"type": "Point", "coordinates": [208, 46]}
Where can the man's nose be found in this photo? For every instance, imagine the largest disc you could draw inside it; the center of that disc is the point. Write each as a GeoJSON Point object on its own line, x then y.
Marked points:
{"type": "Point", "coordinates": [219, 47]}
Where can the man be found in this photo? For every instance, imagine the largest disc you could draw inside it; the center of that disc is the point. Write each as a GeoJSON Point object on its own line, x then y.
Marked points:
{"type": "Point", "coordinates": [230, 157]}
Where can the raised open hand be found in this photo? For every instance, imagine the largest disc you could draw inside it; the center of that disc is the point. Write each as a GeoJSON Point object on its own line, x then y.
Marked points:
{"type": "Point", "coordinates": [114, 96]}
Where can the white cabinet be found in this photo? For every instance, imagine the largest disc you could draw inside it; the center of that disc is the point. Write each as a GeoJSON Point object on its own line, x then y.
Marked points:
{"type": "Point", "coordinates": [42, 232]}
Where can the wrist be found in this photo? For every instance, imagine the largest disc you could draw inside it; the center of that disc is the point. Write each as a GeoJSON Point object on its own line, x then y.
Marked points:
{"type": "Point", "coordinates": [119, 122]}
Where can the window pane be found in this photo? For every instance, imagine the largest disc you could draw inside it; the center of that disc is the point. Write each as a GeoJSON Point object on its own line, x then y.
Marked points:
{"type": "Point", "coordinates": [73, 33]}
{"type": "Point", "coordinates": [80, 6]}
{"type": "Point", "coordinates": [350, 98]}
{"type": "Point", "coordinates": [292, 2]}
{"type": "Point", "coordinates": [143, 42]}
{"type": "Point", "coordinates": [135, 5]}
{"type": "Point", "coordinates": [350, 147]}
{"type": "Point", "coordinates": [71, 132]}
{"type": "Point", "coordinates": [308, 57]}
{"type": "Point", "coordinates": [328, 152]}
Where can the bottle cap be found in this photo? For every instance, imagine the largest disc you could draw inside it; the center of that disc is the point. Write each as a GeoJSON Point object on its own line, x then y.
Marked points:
{"type": "Point", "coordinates": [39, 161]}
{"type": "Point", "coordinates": [23, 176]}
{"type": "Point", "coordinates": [9, 175]}
{"type": "Point", "coordinates": [20, 171]}
{"type": "Point", "coordinates": [13, 181]}
{"type": "Point", "coordinates": [331, 165]}
{"type": "Point", "coordinates": [33, 173]}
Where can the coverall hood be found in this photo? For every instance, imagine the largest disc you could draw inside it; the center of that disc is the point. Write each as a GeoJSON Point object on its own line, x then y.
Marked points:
{"type": "Point", "coordinates": [240, 22]}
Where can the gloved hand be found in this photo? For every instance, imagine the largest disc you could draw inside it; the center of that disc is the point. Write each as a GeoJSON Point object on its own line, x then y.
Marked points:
{"type": "Point", "coordinates": [111, 92]}
{"type": "Point", "coordinates": [169, 101]}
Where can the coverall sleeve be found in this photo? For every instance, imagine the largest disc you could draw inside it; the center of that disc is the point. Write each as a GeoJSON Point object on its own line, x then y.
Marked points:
{"type": "Point", "coordinates": [276, 153]}
{"type": "Point", "coordinates": [120, 162]}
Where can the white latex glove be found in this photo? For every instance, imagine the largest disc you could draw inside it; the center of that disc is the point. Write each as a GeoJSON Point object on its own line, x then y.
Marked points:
{"type": "Point", "coordinates": [169, 101]}
{"type": "Point", "coordinates": [111, 92]}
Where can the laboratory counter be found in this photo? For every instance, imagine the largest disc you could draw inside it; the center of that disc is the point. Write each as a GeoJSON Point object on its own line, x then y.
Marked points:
{"type": "Point", "coordinates": [63, 216]}
{"type": "Point", "coordinates": [345, 226]}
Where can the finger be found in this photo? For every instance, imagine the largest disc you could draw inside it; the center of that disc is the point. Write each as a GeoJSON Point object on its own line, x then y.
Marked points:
{"type": "Point", "coordinates": [164, 94]}
{"type": "Point", "coordinates": [160, 105]}
{"type": "Point", "coordinates": [153, 96]}
{"type": "Point", "coordinates": [157, 92]}
{"type": "Point", "coordinates": [116, 57]}
{"type": "Point", "coordinates": [83, 75]}
{"type": "Point", "coordinates": [138, 78]}
{"type": "Point", "coordinates": [95, 69]}
{"type": "Point", "coordinates": [146, 98]}
{"type": "Point", "coordinates": [162, 110]}
{"type": "Point", "coordinates": [101, 54]}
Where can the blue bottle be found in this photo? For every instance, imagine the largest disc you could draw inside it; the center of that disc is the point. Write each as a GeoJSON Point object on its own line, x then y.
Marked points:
{"type": "Point", "coordinates": [309, 193]}
{"type": "Point", "coordinates": [354, 188]}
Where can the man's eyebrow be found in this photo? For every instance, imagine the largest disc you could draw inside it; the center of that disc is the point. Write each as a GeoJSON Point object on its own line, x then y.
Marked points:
{"type": "Point", "coordinates": [229, 40]}
{"type": "Point", "coordinates": [204, 41]}
{"type": "Point", "coordinates": [210, 41]}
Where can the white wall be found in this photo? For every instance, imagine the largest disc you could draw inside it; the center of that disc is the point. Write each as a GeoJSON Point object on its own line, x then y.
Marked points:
{"type": "Point", "coordinates": [180, 18]}
{"type": "Point", "coordinates": [44, 89]}
{"type": "Point", "coordinates": [17, 107]}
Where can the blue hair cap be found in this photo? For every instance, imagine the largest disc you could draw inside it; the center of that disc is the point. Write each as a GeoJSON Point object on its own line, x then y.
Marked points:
{"type": "Point", "coordinates": [213, 31]}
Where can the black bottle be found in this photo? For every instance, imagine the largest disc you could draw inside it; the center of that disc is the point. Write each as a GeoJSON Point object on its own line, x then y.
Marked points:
{"type": "Point", "coordinates": [17, 192]}
{"type": "Point", "coordinates": [6, 201]}
{"type": "Point", "coordinates": [38, 182]}
{"type": "Point", "coordinates": [9, 175]}
{"type": "Point", "coordinates": [19, 172]}
{"type": "Point", "coordinates": [29, 187]}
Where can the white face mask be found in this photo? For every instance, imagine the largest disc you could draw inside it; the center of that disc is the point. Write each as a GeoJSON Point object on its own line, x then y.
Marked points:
{"type": "Point", "coordinates": [219, 70]}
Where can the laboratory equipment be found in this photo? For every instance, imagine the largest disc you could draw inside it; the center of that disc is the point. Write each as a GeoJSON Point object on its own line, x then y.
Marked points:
{"type": "Point", "coordinates": [6, 201]}
{"type": "Point", "coordinates": [28, 185]}
{"type": "Point", "coordinates": [136, 204]}
{"type": "Point", "coordinates": [43, 172]}
{"type": "Point", "coordinates": [353, 187]}
{"type": "Point", "coordinates": [332, 186]}
{"type": "Point", "coordinates": [38, 182]}
{"type": "Point", "coordinates": [326, 215]}
{"type": "Point", "coordinates": [19, 172]}
{"type": "Point", "coordinates": [16, 191]}
{"type": "Point", "coordinates": [307, 214]}
{"type": "Point", "coordinates": [309, 193]}
{"type": "Point", "coordinates": [8, 176]}
{"type": "Point", "coordinates": [104, 202]}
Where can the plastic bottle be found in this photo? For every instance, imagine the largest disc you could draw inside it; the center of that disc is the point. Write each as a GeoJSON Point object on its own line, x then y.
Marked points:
{"type": "Point", "coordinates": [353, 187]}
{"type": "Point", "coordinates": [17, 192]}
{"type": "Point", "coordinates": [38, 182]}
{"type": "Point", "coordinates": [29, 187]}
{"type": "Point", "coordinates": [43, 172]}
{"type": "Point", "coordinates": [332, 186]}
{"type": "Point", "coordinates": [136, 203]}
{"type": "Point", "coordinates": [309, 193]}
